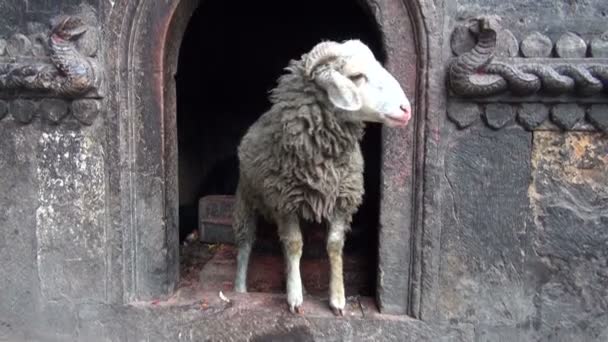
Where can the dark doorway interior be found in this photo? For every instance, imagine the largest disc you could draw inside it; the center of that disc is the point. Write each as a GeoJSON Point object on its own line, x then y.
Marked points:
{"type": "Point", "coordinates": [231, 55]}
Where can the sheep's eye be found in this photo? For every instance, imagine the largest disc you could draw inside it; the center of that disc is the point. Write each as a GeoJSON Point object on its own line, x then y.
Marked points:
{"type": "Point", "coordinates": [357, 77]}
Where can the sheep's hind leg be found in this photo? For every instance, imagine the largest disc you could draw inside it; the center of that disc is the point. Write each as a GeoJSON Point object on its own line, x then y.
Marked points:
{"type": "Point", "coordinates": [335, 244]}
{"type": "Point", "coordinates": [291, 238]}
{"type": "Point", "coordinates": [244, 233]}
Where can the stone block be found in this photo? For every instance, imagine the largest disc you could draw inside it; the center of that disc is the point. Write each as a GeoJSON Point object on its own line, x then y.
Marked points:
{"type": "Point", "coordinates": [463, 114]}
{"type": "Point", "coordinates": [215, 219]}
{"type": "Point", "coordinates": [485, 213]}
{"type": "Point", "coordinates": [531, 115]}
{"type": "Point", "coordinates": [536, 45]}
{"type": "Point", "coordinates": [497, 115]}
{"type": "Point", "coordinates": [569, 198]}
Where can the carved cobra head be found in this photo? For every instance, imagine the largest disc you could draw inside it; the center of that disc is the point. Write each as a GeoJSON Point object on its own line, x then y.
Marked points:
{"type": "Point", "coordinates": [69, 28]}
{"type": "Point", "coordinates": [356, 84]}
{"type": "Point", "coordinates": [484, 23]}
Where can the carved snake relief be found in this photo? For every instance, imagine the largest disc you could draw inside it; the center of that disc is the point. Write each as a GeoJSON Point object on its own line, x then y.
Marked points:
{"type": "Point", "coordinates": [70, 73]}
{"type": "Point", "coordinates": [475, 74]}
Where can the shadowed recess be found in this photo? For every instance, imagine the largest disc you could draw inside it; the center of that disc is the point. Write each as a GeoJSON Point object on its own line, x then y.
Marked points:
{"type": "Point", "coordinates": [231, 56]}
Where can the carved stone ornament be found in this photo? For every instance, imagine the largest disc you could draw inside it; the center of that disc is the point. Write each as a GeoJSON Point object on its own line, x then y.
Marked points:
{"type": "Point", "coordinates": [525, 87]}
{"type": "Point", "coordinates": [44, 73]}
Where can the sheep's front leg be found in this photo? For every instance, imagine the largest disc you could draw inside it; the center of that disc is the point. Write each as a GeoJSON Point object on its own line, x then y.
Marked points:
{"type": "Point", "coordinates": [335, 244]}
{"type": "Point", "coordinates": [244, 231]}
{"type": "Point", "coordinates": [291, 238]}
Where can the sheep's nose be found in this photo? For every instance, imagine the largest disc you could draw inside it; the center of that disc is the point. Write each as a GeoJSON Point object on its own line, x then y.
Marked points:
{"type": "Point", "coordinates": [406, 109]}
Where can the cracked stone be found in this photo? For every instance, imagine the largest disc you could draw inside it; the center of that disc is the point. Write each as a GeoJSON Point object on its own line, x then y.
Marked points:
{"type": "Point", "coordinates": [499, 114]}
{"type": "Point", "coordinates": [536, 45]}
{"type": "Point", "coordinates": [530, 115]}
{"type": "Point", "coordinates": [86, 110]}
{"type": "Point", "coordinates": [571, 45]}
{"type": "Point", "coordinates": [567, 115]}
{"type": "Point", "coordinates": [463, 114]}
{"type": "Point", "coordinates": [54, 109]}
{"type": "Point", "coordinates": [23, 110]}
{"type": "Point", "coordinates": [599, 46]}
{"type": "Point", "coordinates": [598, 116]}
{"type": "Point", "coordinates": [3, 109]}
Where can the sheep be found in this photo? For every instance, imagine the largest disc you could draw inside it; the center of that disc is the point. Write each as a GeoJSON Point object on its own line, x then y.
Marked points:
{"type": "Point", "coordinates": [301, 160]}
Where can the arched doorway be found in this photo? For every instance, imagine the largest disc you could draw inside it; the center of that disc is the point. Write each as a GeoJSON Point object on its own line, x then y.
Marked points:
{"type": "Point", "coordinates": [143, 137]}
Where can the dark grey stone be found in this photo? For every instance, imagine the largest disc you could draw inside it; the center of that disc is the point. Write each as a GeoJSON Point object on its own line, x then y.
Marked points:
{"type": "Point", "coordinates": [86, 110]}
{"type": "Point", "coordinates": [3, 45]}
{"type": "Point", "coordinates": [88, 45]}
{"type": "Point", "coordinates": [3, 109]}
{"type": "Point", "coordinates": [53, 110]}
{"type": "Point", "coordinates": [19, 282]}
{"type": "Point", "coordinates": [567, 115]}
{"type": "Point", "coordinates": [23, 111]}
{"type": "Point", "coordinates": [462, 40]}
{"type": "Point", "coordinates": [599, 46]}
{"type": "Point", "coordinates": [497, 115]}
{"type": "Point", "coordinates": [39, 45]}
{"type": "Point", "coordinates": [598, 116]}
{"type": "Point", "coordinates": [19, 45]}
{"type": "Point", "coordinates": [227, 322]}
{"type": "Point", "coordinates": [530, 115]}
{"type": "Point", "coordinates": [463, 114]}
{"type": "Point", "coordinates": [571, 45]}
{"type": "Point", "coordinates": [536, 45]}
{"type": "Point", "coordinates": [485, 213]}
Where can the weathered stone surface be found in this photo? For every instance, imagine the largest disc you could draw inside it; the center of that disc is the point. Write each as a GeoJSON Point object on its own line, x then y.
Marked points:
{"type": "Point", "coordinates": [482, 278]}
{"type": "Point", "coordinates": [3, 109]}
{"type": "Point", "coordinates": [86, 110]}
{"type": "Point", "coordinates": [18, 201]}
{"type": "Point", "coordinates": [463, 114]}
{"type": "Point", "coordinates": [536, 45]}
{"type": "Point", "coordinates": [89, 43]}
{"type": "Point", "coordinates": [462, 40]}
{"type": "Point", "coordinates": [530, 115]}
{"type": "Point", "coordinates": [567, 115]}
{"type": "Point", "coordinates": [53, 110]}
{"type": "Point", "coordinates": [234, 321]}
{"type": "Point", "coordinates": [599, 46]}
{"type": "Point", "coordinates": [569, 199]}
{"type": "Point", "coordinates": [571, 45]}
{"type": "Point", "coordinates": [39, 45]}
{"type": "Point", "coordinates": [506, 44]}
{"type": "Point", "coordinates": [598, 116]}
{"type": "Point", "coordinates": [23, 111]}
{"type": "Point", "coordinates": [19, 45]}
{"type": "Point", "coordinates": [70, 215]}
{"type": "Point", "coordinates": [497, 115]}
{"type": "Point", "coordinates": [3, 45]}
{"type": "Point", "coordinates": [485, 214]}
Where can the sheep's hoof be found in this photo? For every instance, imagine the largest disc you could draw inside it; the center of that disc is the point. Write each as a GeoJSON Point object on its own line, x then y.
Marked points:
{"type": "Point", "coordinates": [338, 312]}
{"type": "Point", "coordinates": [296, 309]}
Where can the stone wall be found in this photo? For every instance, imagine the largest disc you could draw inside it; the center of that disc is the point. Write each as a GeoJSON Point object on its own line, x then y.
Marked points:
{"type": "Point", "coordinates": [509, 237]}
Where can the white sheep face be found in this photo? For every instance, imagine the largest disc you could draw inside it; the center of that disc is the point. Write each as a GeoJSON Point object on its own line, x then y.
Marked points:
{"type": "Point", "coordinates": [364, 90]}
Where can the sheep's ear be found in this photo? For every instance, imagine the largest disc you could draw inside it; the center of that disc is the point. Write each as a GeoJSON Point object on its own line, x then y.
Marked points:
{"type": "Point", "coordinates": [342, 92]}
